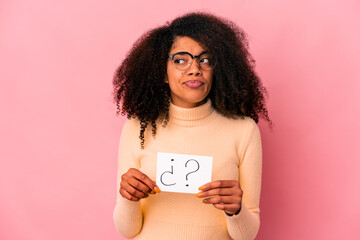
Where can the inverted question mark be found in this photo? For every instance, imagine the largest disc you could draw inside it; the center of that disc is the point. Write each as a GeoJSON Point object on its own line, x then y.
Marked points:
{"type": "Point", "coordinates": [167, 172]}
{"type": "Point", "coordinates": [198, 166]}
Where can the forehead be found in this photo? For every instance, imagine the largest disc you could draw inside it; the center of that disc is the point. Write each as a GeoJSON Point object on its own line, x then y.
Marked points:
{"type": "Point", "coordinates": [186, 44]}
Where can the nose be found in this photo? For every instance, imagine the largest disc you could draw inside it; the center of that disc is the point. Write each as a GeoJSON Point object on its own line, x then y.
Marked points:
{"type": "Point", "coordinates": [194, 68]}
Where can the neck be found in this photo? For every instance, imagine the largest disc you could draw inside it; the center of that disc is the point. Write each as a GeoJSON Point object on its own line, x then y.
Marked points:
{"type": "Point", "coordinates": [191, 117]}
{"type": "Point", "coordinates": [189, 105]}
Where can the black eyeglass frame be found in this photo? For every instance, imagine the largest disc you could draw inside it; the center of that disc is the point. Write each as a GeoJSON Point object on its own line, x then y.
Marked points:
{"type": "Point", "coordinates": [171, 56]}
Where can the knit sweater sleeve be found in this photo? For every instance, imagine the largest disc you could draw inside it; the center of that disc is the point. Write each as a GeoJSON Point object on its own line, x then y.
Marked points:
{"type": "Point", "coordinates": [127, 214]}
{"type": "Point", "coordinates": [245, 225]}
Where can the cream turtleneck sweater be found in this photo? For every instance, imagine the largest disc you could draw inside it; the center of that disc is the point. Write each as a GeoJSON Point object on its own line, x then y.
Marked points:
{"type": "Point", "coordinates": [235, 146]}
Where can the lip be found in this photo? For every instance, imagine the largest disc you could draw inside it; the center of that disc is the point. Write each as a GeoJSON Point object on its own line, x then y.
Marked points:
{"type": "Point", "coordinates": [194, 83]}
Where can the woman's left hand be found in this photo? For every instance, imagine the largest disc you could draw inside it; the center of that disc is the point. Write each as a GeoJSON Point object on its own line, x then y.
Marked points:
{"type": "Point", "coordinates": [223, 194]}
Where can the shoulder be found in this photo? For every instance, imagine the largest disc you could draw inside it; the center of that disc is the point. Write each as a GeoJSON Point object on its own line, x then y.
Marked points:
{"type": "Point", "coordinates": [240, 123]}
{"type": "Point", "coordinates": [248, 126]}
{"type": "Point", "coordinates": [131, 124]}
{"type": "Point", "coordinates": [130, 129]}
{"type": "Point", "coordinates": [241, 129]}
{"type": "Point", "coordinates": [129, 136]}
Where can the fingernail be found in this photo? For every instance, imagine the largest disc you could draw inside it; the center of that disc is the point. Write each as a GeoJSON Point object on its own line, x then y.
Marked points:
{"type": "Point", "coordinates": [198, 194]}
{"type": "Point", "coordinates": [152, 192]}
{"type": "Point", "coordinates": [204, 201]}
{"type": "Point", "coordinates": [202, 187]}
{"type": "Point", "coordinates": [157, 189]}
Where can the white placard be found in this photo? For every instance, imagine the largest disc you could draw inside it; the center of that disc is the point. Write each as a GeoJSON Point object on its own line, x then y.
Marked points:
{"type": "Point", "coordinates": [181, 172]}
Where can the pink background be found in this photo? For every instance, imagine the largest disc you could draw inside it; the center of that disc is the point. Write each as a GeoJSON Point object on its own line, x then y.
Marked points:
{"type": "Point", "coordinates": [59, 133]}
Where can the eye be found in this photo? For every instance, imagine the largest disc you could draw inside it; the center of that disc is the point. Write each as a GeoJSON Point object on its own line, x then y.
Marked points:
{"type": "Point", "coordinates": [179, 61]}
{"type": "Point", "coordinates": [205, 61]}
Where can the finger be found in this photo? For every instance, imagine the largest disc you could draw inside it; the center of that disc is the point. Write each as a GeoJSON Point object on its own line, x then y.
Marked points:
{"type": "Point", "coordinates": [143, 178]}
{"type": "Point", "coordinates": [132, 191]}
{"type": "Point", "coordinates": [223, 199]}
{"type": "Point", "coordinates": [218, 191]}
{"type": "Point", "coordinates": [127, 195]}
{"type": "Point", "coordinates": [228, 208]}
{"type": "Point", "coordinates": [140, 186]}
{"type": "Point", "coordinates": [219, 184]}
{"type": "Point", "coordinates": [126, 178]}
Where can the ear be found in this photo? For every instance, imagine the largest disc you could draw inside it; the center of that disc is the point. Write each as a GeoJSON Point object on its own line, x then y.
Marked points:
{"type": "Point", "coordinates": [166, 80]}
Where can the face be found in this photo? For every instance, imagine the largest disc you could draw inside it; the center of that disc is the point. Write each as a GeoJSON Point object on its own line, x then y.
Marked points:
{"type": "Point", "coordinates": [189, 88]}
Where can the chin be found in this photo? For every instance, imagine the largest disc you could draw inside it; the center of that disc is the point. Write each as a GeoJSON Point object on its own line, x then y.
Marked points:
{"type": "Point", "coordinates": [199, 102]}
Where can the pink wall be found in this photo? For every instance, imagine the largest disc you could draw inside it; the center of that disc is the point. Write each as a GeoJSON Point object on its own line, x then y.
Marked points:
{"type": "Point", "coordinates": [59, 133]}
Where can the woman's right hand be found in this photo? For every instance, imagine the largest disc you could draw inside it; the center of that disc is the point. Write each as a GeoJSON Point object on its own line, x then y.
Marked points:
{"type": "Point", "coordinates": [135, 185]}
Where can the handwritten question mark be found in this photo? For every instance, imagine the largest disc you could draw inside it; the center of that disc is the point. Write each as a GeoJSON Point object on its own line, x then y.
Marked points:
{"type": "Point", "coordinates": [198, 166]}
{"type": "Point", "coordinates": [167, 172]}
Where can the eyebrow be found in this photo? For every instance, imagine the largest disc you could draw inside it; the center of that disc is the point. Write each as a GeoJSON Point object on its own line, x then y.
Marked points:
{"type": "Point", "coordinates": [182, 52]}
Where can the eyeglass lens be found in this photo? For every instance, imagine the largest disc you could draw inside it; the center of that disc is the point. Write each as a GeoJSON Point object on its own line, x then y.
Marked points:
{"type": "Point", "coordinates": [183, 61]}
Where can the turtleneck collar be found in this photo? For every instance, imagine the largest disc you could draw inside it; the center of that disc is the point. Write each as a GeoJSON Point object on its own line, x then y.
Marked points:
{"type": "Point", "coordinates": [191, 117]}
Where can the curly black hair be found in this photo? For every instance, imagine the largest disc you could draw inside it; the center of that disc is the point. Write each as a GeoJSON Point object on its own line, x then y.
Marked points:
{"type": "Point", "coordinates": [139, 87]}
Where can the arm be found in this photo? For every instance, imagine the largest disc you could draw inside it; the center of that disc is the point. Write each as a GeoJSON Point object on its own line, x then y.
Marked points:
{"type": "Point", "coordinates": [127, 215]}
{"type": "Point", "coordinates": [246, 223]}
{"type": "Point", "coordinates": [239, 199]}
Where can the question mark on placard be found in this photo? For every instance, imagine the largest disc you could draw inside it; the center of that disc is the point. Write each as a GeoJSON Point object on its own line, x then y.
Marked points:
{"type": "Point", "coordinates": [198, 166]}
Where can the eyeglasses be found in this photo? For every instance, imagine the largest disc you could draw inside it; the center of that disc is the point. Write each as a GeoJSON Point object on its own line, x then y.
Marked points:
{"type": "Point", "coordinates": [183, 60]}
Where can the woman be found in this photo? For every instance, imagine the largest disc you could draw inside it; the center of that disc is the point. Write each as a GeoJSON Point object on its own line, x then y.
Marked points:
{"type": "Point", "coordinates": [189, 87]}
